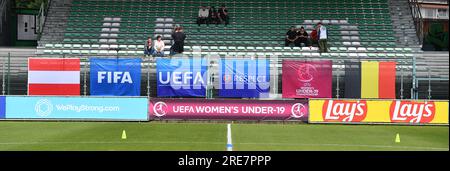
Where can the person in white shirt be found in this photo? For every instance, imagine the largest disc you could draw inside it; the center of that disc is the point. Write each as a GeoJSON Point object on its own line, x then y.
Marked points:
{"type": "Point", "coordinates": [322, 34]}
{"type": "Point", "coordinates": [203, 15]}
{"type": "Point", "coordinates": [159, 47]}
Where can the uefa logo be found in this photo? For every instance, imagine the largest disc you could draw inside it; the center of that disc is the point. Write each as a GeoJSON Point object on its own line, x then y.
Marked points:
{"type": "Point", "coordinates": [298, 110]}
{"type": "Point", "coordinates": [306, 72]}
{"type": "Point", "coordinates": [160, 109]}
{"type": "Point", "coordinates": [43, 107]}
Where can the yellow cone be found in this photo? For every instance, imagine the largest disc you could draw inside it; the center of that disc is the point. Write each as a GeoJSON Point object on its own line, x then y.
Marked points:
{"type": "Point", "coordinates": [397, 138]}
{"type": "Point", "coordinates": [124, 135]}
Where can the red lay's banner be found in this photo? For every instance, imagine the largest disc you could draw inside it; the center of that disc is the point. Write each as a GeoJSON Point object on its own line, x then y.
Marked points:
{"type": "Point", "coordinates": [307, 79]}
{"type": "Point", "coordinates": [53, 76]}
{"type": "Point", "coordinates": [378, 111]}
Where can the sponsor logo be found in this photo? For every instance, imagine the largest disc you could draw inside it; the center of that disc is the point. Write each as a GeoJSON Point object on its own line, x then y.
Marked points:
{"type": "Point", "coordinates": [344, 111]}
{"type": "Point", "coordinates": [181, 78]}
{"type": "Point", "coordinates": [412, 112]}
{"type": "Point", "coordinates": [114, 77]}
{"type": "Point", "coordinates": [160, 109]}
{"type": "Point", "coordinates": [43, 107]}
{"type": "Point", "coordinates": [298, 110]}
{"type": "Point", "coordinates": [244, 79]}
{"type": "Point", "coordinates": [305, 72]}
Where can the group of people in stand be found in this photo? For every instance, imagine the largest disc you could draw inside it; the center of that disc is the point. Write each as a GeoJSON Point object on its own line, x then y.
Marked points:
{"type": "Point", "coordinates": [156, 48]}
{"type": "Point", "coordinates": [209, 15]}
{"type": "Point", "coordinates": [299, 37]}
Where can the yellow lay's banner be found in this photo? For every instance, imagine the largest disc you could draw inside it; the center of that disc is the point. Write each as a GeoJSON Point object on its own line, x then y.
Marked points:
{"type": "Point", "coordinates": [378, 111]}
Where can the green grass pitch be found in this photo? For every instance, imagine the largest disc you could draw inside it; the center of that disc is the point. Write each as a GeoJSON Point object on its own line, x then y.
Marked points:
{"type": "Point", "coordinates": [106, 136]}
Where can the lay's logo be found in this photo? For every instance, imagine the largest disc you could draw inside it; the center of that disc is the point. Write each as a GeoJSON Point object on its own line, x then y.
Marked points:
{"type": "Point", "coordinates": [412, 112]}
{"type": "Point", "coordinates": [344, 111]}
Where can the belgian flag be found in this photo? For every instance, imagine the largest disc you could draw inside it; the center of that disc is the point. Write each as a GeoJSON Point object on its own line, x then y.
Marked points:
{"type": "Point", "coordinates": [368, 79]}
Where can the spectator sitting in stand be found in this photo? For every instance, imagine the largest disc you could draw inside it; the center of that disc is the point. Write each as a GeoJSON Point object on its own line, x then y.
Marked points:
{"type": "Point", "coordinates": [223, 15]}
{"type": "Point", "coordinates": [203, 14]}
{"type": "Point", "coordinates": [302, 37]}
{"type": "Point", "coordinates": [213, 16]}
{"type": "Point", "coordinates": [159, 46]}
{"type": "Point", "coordinates": [290, 36]}
{"type": "Point", "coordinates": [148, 47]}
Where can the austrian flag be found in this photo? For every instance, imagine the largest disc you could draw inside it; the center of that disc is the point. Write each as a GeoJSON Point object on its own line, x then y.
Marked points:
{"type": "Point", "coordinates": [53, 76]}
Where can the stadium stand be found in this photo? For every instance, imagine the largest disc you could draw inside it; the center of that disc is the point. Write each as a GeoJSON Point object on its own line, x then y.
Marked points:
{"type": "Point", "coordinates": [358, 30]}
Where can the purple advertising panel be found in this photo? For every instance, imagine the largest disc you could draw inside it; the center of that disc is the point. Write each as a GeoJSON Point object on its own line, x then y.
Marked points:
{"type": "Point", "coordinates": [307, 79]}
{"type": "Point", "coordinates": [228, 109]}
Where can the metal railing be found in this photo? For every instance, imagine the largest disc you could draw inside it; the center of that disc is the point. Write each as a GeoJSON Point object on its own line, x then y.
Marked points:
{"type": "Point", "coordinates": [417, 17]}
{"type": "Point", "coordinates": [43, 11]}
{"type": "Point", "coordinates": [14, 75]}
{"type": "Point", "coordinates": [2, 14]}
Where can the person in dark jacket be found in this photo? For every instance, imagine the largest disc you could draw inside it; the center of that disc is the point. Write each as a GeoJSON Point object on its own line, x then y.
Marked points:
{"type": "Point", "coordinates": [223, 15]}
{"type": "Point", "coordinates": [213, 16]}
{"type": "Point", "coordinates": [302, 37]}
{"type": "Point", "coordinates": [178, 37]}
{"type": "Point", "coordinates": [148, 47]}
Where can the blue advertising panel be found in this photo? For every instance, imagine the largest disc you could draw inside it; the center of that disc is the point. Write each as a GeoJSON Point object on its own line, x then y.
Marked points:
{"type": "Point", "coordinates": [77, 108]}
{"type": "Point", "coordinates": [244, 78]}
{"type": "Point", "coordinates": [2, 107]}
{"type": "Point", "coordinates": [181, 77]}
{"type": "Point", "coordinates": [115, 77]}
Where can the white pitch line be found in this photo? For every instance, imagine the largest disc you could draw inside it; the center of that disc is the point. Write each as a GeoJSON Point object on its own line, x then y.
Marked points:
{"type": "Point", "coordinates": [346, 145]}
{"type": "Point", "coordinates": [229, 142]}
{"type": "Point", "coordinates": [218, 143]}
{"type": "Point", "coordinates": [111, 142]}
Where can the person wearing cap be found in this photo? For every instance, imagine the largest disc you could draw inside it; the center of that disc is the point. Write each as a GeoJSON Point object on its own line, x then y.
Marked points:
{"type": "Point", "coordinates": [322, 34]}
{"type": "Point", "coordinates": [302, 37]}
{"type": "Point", "coordinates": [291, 35]}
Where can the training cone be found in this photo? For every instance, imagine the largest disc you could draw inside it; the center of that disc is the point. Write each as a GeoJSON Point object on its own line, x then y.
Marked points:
{"type": "Point", "coordinates": [124, 135]}
{"type": "Point", "coordinates": [397, 138]}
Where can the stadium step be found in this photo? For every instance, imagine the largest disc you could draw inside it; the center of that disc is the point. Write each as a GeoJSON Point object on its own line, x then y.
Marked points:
{"type": "Point", "coordinates": [403, 23]}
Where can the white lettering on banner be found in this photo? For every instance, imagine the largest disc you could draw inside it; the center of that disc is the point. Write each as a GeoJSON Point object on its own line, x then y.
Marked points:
{"type": "Point", "coordinates": [181, 78]}
{"type": "Point", "coordinates": [404, 111]}
{"type": "Point", "coordinates": [45, 107]}
{"type": "Point", "coordinates": [82, 108]}
{"type": "Point", "coordinates": [257, 110]}
{"type": "Point", "coordinates": [214, 109]}
{"type": "Point", "coordinates": [307, 91]}
{"type": "Point", "coordinates": [344, 109]}
{"type": "Point", "coordinates": [228, 109]}
{"type": "Point", "coordinates": [114, 77]}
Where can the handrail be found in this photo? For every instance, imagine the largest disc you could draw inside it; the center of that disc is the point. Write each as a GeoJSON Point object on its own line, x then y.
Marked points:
{"type": "Point", "coordinates": [417, 17]}
{"type": "Point", "coordinates": [2, 13]}
{"type": "Point", "coordinates": [43, 11]}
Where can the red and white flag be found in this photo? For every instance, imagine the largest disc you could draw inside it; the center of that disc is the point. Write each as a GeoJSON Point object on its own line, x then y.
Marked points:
{"type": "Point", "coordinates": [53, 76]}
